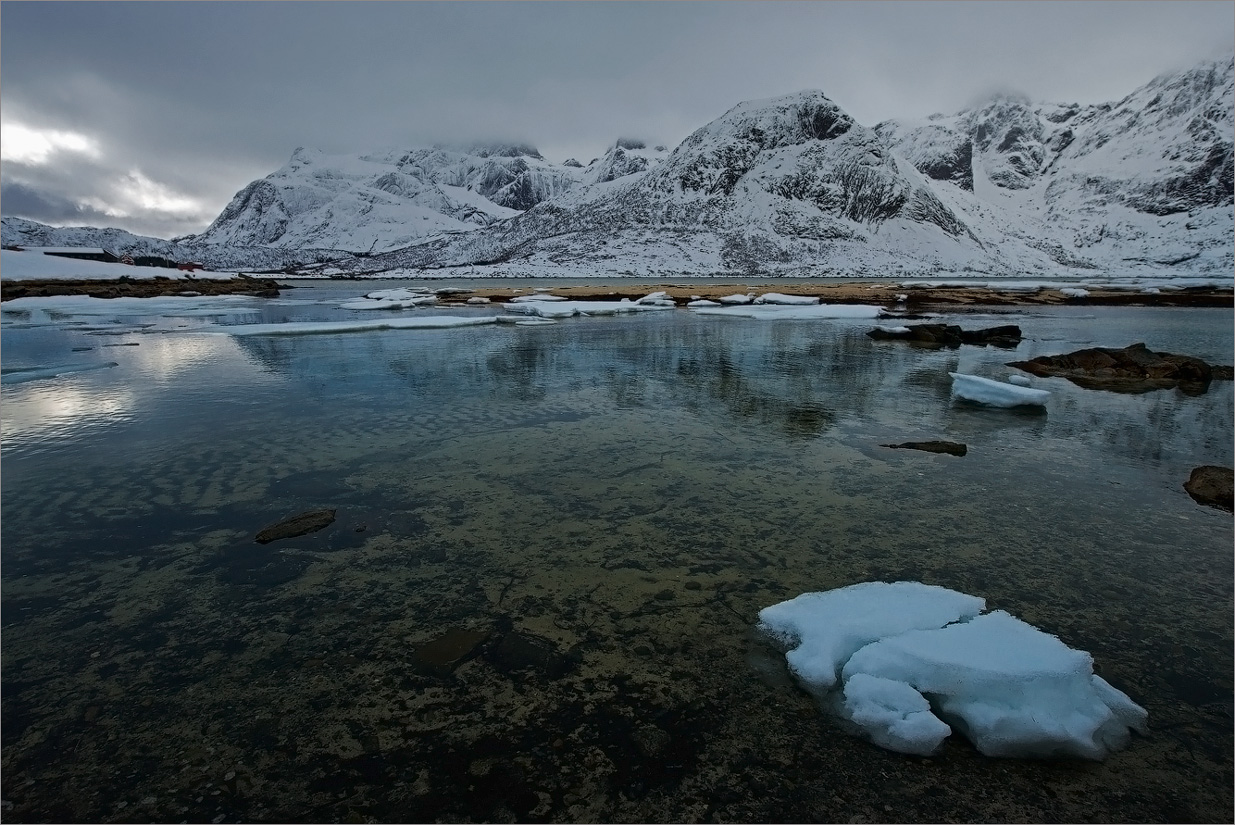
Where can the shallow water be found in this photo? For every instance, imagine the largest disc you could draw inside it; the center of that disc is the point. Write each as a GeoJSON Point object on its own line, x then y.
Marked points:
{"type": "Point", "coordinates": [606, 503]}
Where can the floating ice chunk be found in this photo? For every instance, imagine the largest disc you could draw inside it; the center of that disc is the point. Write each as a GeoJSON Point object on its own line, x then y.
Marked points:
{"type": "Point", "coordinates": [902, 298]}
{"type": "Point", "coordinates": [397, 294]}
{"type": "Point", "coordinates": [894, 330]}
{"type": "Point", "coordinates": [332, 327]}
{"type": "Point", "coordinates": [702, 302]}
{"type": "Point", "coordinates": [794, 313]}
{"type": "Point", "coordinates": [1019, 380]}
{"type": "Point", "coordinates": [653, 298]}
{"type": "Point", "coordinates": [1074, 292]}
{"type": "Point", "coordinates": [21, 375]}
{"type": "Point", "coordinates": [565, 309]}
{"type": "Point", "coordinates": [535, 322]}
{"type": "Point", "coordinates": [894, 715]}
{"type": "Point", "coordinates": [1011, 689]}
{"type": "Point", "coordinates": [995, 393]}
{"type": "Point", "coordinates": [790, 300]}
{"type": "Point", "coordinates": [736, 299]}
{"type": "Point", "coordinates": [539, 296]}
{"type": "Point", "coordinates": [478, 300]}
{"type": "Point", "coordinates": [918, 661]}
{"type": "Point", "coordinates": [829, 627]}
{"type": "Point", "coordinates": [1151, 290]}
{"type": "Point", "coordinates": [389, 303]}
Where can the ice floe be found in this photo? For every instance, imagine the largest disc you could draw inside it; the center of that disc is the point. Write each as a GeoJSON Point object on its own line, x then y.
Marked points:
{"type": "Point", "coordinates": [996, 393]}
{"type": "Point", "coordinates": [21, 375]}
{"type": "Point", "coordinates": [735, 300]}
{"type": "Point", "coordinates": [767, 312]}
{"type": "Point", "coordinates": [333, 327]}
{"type": "Point", "coordinates": [1074, 292]}
{"type": "Point", "coordinates": [398, 298]}
{"type": "Point", "coordinates": [907, 662]}
{"type": "Point", "coordinates": [565, 309]}
{"type": "Point", "coordinates": [1019, 380]}
{"type": "Point", "coordinates": [787, 300]}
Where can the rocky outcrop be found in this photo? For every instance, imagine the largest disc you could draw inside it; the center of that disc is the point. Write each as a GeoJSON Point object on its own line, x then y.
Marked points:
{"type": "Point", "coordinates": [300, 524]}
{"type": "Point", "coordinates": [1133, 369]}
{"type": "Point", "coordinates": [948, 447]}
{"type": "Point", "coordinates": [950, 335]}
{"type": "Point", "coordinates": [1212, 486]}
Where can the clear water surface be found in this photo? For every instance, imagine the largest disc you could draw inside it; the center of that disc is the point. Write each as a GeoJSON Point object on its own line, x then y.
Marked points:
{"type": "Point", "coordinates": [537, 600]}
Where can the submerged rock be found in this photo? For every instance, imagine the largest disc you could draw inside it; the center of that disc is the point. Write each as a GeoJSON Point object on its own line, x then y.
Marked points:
{"type": "Point", "coordinates": [950, 335]}
{"type": "Point", "coordinates": [445, 653]}
{"type": "Point", "coordinates": [949, 447]}
{"type": "Point", "coordinates": [1133, 369]}
{"type": "Point", "coordinates": [1212, 486]}
{"type": "Point", "coordinates": [309, 521]}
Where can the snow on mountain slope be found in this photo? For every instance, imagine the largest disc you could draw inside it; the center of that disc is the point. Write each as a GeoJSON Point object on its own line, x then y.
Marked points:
{"type": "Point", "coordinates": [1145, 181]}
{"type": "Point", "coordinates": [21, 232]}
{"type": "Point", "coordinates": [625, 157]}
{"type": "Point", "coordinates": [383, 201]}
{"type": "Point", "coordinates": [790, 184]}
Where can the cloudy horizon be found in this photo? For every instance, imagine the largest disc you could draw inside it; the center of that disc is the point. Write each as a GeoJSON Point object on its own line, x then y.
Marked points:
{"type": "Point", "coordinates": [151, 116]}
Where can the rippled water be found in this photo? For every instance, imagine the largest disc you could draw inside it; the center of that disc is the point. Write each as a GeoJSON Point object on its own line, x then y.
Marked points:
{"type": "Point", "coordinates": [604, 504]}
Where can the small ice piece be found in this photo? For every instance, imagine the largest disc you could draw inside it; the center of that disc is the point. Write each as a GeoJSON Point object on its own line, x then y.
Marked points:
{"type": "Point", "coordinates": [539, 296]}
{"type": "Point", "coordinates": [1074, 292]}
{"type": "Point", "coordinates": [995, 393]}
{"type": "Point", "coordinates": [789, 300]}
{"type": "Point", "coordinates": [1151, 290]}
{"type": "Point", "coordinates": [478, 300]}
{"type": "Point", "coordinates": [653, 298]}
{"type": "Point", "coordinates": [702, 302]}
{"type": "Point", "coordinates": [827, 628]}
{"type": "Point", "coordinates": [1011, 689]}
{"type": "Point", "coordinates": [794, 313]}
{"type": "Point", "coordinates": [534, 322]}
{"type": "Point", "coordinates": [902, 298]}
{"type": "Point", "coordinates": [1019, 380]}
{"type": "Point", "coordinates": [397, 294]}
{"type": "Point", "coordinates": [736, 299]}
{"type": "Point", "coordinates": [894, 330]}
{"type": "Point", "coordinates": [894, 715]}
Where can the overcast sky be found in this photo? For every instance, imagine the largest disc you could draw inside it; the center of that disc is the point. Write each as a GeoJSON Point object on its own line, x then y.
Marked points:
{"type": "Point", "coordinates": [150, 116]}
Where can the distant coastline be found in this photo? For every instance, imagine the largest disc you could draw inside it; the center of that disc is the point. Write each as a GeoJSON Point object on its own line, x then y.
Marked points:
{"type": "Point", "coordinates": [943, 293]}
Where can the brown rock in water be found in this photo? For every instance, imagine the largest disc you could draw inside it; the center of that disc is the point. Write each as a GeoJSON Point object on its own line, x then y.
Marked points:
{"type": "Point", "coordinates": [950, 335]}
{"type": "Point", "coordinates": [1133, 369]}
{"type": "Point", "coordinates": [949, 447]}
{"type": "Point", "coordinates": [309, 521]}
{"type": "Point", "coordinates": [1212, 486]}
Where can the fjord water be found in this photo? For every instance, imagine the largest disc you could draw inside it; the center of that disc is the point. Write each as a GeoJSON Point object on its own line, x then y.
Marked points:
{"type": "Point", "coordinates": [592, 513]}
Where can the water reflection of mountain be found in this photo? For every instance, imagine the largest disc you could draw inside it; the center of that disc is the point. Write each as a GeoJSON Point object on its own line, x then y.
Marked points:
{"type": "Point", "coordinates": [796, 379]}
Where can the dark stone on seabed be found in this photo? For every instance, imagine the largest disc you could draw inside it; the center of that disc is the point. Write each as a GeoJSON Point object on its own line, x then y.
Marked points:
{"type": "Point", "coordinates": [454, 647]}
{"type": "Point", "coordinates": [309, 521]}
{"type": "Point", "coordinates": [949, 447]}
{"type": "Point", "coordinates": [1212, 486]}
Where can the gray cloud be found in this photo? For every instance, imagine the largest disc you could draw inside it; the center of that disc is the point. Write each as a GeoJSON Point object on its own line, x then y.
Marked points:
{"type": "Point", "coordinates": [201, 98]}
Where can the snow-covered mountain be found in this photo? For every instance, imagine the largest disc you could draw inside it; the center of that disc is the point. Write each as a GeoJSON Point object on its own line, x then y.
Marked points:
{"type": "Point", "coordinates": [220, 257]}
{"type": "Point", "coordinates": [788, 185]}
{"type": "Point", "coordinates": [1145, 180]}
{"type": "Point", "coordinates": [792, 185]}
{"type": "Point", "coordinates": [383, 201]}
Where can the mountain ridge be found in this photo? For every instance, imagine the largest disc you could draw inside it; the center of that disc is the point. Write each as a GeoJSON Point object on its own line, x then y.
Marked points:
{"type": "Point", "coordinates": [790, 185]}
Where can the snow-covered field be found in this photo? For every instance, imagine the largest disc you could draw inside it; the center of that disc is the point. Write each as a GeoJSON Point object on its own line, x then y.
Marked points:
{"type": "Point", "coordinates": [30, 266]}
